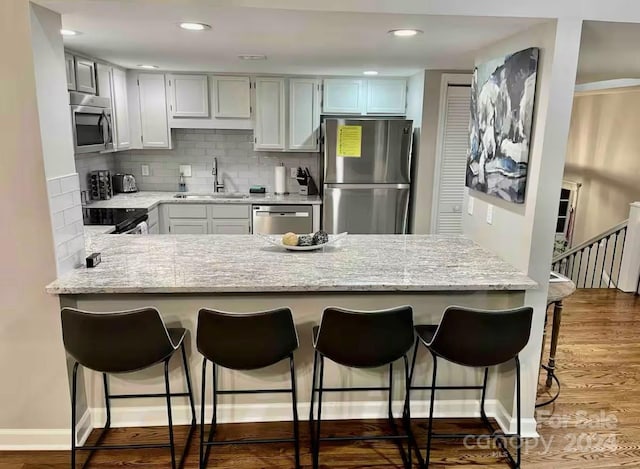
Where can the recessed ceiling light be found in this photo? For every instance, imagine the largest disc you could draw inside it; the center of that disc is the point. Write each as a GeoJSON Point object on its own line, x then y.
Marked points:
{"type": "Point", "coordinates": [405, 32]}
{"type": "Point", "coordinates": [150, 67]}
{"type": "Point", "coordinates": [194, 26]}
{"type": "Point", "coordinates": [370, 72]}
{"type": "Point", "coordinates": [253, 57]}
{"type": "Point", "coordinates": [69, 32]}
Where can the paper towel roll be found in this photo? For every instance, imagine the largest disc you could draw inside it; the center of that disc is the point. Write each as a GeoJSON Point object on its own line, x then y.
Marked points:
{"type": "Point", "coordinates": [280, 186]}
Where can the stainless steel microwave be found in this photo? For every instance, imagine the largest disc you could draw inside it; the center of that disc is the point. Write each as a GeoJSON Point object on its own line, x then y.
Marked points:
{"type": "Point", "coordinates": [91, 123]}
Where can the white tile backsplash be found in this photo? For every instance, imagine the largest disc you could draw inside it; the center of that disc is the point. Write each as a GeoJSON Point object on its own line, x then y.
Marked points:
{"type": "Point", "coordinates": [239, 166]}
{"type": "Point", "coordinates": [66, 219]}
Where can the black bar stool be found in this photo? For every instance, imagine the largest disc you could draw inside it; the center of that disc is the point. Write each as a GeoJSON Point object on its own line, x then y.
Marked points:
{"type": "Point", "coordinates": [245, 341]}
{"type": "Point", "coordinates": [479, 339]}
{"type": "Point", "coordinates": [123, 342]}
{"type": "Point", "coordinates": [361, 339]}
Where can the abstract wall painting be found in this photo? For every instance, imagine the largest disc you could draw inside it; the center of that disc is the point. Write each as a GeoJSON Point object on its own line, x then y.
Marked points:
{"type": "Point", "coordinates": [502, 98]}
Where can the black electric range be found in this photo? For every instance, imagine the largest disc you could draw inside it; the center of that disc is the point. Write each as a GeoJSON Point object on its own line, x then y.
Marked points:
{"type": "Point", "coordinates": [124, 219]}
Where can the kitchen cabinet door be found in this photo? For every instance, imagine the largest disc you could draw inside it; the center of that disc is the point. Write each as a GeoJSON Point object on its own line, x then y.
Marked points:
{"type": "Point", "coordinates": [70, 67]}
{"type": "Point", "coordinates": [105, 75]}
{"type": "Point", "coordinates": [304, 114]}
{"type": "Point", "coordinates": [153, 110]}
{"type": "Point", "coordinates": [343, 96]}
{"type": "Point", "coordinates": [387, 96]}
{"type": "Point", "coordinates": [120, 102]}
{"type": "Point", "coordinates": [230, 226]}
{"type": "Point", "coordinates": [189, 95]}
{"type": "Point", "coordinates": [188, 226]}
{"type": "Point", "coordinates": [85, 75]}
{"type": "Point", "coordinates": [232, 97]}
{"type": "Point", "coordinates": [270, 114]}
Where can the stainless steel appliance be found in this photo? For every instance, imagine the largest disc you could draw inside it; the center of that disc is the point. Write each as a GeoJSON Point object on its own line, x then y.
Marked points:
{"type": "Point", "coordinates": [280, 219]}
{"type": "Point", "coordinates": [367, 191]}
{"type": "Point", "coordinates": [126, 220]}
{"type": "Point", "coordinates": [100, 185]}
{"type": "Point", "coordinates": [91, 122]}
{"type": "Point", "coordinates": [124, 183]}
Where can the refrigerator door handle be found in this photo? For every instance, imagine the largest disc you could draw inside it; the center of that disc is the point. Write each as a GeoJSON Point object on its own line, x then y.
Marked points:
{"type": "Point", "coordinates": [367, 186]}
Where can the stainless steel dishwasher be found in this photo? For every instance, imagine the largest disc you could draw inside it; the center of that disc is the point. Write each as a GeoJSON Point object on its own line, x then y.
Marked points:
{"type": "Point", "coordinates": [280, 219]}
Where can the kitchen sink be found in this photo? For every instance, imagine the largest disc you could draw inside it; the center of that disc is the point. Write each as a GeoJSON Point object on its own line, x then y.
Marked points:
{"type": "Point", "coordinates": [217, 195]}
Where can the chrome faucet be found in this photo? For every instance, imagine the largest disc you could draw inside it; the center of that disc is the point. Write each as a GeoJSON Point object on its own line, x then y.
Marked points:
{"type": "Point", "coordinates": [217, 186]}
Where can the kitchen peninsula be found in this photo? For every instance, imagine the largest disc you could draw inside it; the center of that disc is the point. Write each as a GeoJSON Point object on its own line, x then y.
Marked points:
{"type": "Point", "coordinates": [181, 274]}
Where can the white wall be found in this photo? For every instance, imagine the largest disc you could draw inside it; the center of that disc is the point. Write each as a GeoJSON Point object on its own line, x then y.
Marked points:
{"type": "Point", "coordinates": [56, 135]}
{"type": "Point", "coordinates": [34, 387]}
{"type": "Point", "coordinates": [523, 235]}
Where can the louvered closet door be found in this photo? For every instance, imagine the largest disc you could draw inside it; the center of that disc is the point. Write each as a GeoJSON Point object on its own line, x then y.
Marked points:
{"type": "Point", "coordinates": [453, 160]}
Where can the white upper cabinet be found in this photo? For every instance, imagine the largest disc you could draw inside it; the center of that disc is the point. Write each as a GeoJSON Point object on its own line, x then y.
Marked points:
{"type": "Point", "coordinates": [270, 114]}
{"type": "Point", "coordinates": [304, 114]}
{"type": "Point", "coordinates": [70, 66]}
{"type": "Point", "coordinates": [121, 109]}
{"type": "Point", "coordinates": [189, 95]}
{"type": "Point", "coordinates": [387, 96]}
{"type": "Point", "coordinates": [232, 97]}
{"type": "Point", "coordinates": [343, 96]}
{"type": "Point", "coordinates": [85, 75]}
{"type": "Point", "coordinates": [104, 73]}
{"type": "Point", "coordinates": [355, 96]}
{"type": "Point", "coordinates": [153, 110]}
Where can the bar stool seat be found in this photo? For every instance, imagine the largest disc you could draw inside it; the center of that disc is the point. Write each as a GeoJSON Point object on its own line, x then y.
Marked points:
{"type": "Point", "coordinates": [111, 343]}
{"type": "Point", "coordinates": [361, 339]}
{"type": "Point", "coordinates": [477, 339]}
{"type": "Point", "coordinates": [245, 341]}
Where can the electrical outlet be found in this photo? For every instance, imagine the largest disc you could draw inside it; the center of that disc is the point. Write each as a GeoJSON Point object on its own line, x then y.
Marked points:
{"type": "Point", "coordinates": [185, 170]}
{"type": "Point", "coordinates": [490, 214]}
{"type": "Point", "coordinates": [145, 169]}
{"type": "Point", "coordinates": [470, 205]}
{"type": "Point", "coordinates": [294, 172]}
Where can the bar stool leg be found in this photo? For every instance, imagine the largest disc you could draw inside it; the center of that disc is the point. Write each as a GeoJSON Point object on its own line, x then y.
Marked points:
{"type": "Point", "coordinates": [483, 414]}
{"type": "Point", "coordinates": [406, 414]}
{"type": "Point", "coordinates": [390, 403]}
{"type": "Point", "coordinates": [410, 378]}
{"type": "Point", "coordinates": [202, 408]}
{"type": "Point", "coordinates": [313, 394]}
{"type": "Point", "coordinates": [316, 455]}
{"type": "Point", "coordinates": [518, 416]}
{"type": "Point", "coordinates": [107, 400]}
{"type": "Point", "coordinates": [74, 393]}
{"type": "Point", "coordinates": [294, 399]}
{"type": "Point", "coordinates": [168, 392]}
{"type": "Point", "coordinates": [431, 405]}
{"type": "Point", "coordinates": [214, 417]}
{"type": "Point", "coordinates": [189, 389]}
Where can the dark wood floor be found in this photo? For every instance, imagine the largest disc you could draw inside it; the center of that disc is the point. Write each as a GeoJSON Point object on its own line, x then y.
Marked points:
{"type": "Point", "coordinates": [594, 424]}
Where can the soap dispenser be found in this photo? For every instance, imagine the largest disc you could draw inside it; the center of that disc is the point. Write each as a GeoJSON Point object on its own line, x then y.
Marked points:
{"type": "Point", "coordinates": [182, 185]}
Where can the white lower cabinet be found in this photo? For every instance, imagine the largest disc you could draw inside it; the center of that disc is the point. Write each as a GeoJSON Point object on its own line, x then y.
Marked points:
{"type": "Point", "coordinates": [155, 229]}
{"type": "Point", "coordinates": [183, 218]}
{"type": "Point", "coordinates": [233, 226]}
{"type": "Point", "coordinates": [188, 226]}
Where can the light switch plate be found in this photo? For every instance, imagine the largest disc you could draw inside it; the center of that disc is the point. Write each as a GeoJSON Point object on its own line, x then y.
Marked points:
{"type": "Point", "coordinates": [145, 169]}
{"type": "Point", "coordinates": [294, 172]}
{"type": "Point", "coordinates": [490, 214]}
{"type": "Point", "coordinates": [470, 206]}
{"type": "Point", "coordinates": [185, 170]}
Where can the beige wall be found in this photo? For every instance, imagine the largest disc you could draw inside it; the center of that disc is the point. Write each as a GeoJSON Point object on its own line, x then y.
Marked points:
{"type": "Point", "coordinates": [33, 388]}
{"type": "Point", "coordinates": [604, 155]}
{"type": "Point", "coordinates": [523, 234]}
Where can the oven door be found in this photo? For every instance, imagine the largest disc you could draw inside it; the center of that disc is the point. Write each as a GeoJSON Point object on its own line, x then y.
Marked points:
{"type": "Point", "coordinates": [92, 129]}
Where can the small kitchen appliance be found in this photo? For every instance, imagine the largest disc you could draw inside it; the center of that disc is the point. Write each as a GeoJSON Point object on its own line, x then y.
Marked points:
{"type": "Point", "coordinates": [126, 220]}
{"type": "Point", "coordinates": [124, 183]}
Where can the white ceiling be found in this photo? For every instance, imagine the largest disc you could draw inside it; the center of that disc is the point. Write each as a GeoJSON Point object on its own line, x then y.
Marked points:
{"type": "Point", "coordinates": [608, 51]}
{"type": "Point", "coordinates": [133, 32]}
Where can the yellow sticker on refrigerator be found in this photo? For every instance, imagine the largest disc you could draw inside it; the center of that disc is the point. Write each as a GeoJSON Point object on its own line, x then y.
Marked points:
{"type": "Point", "coordinates": [349, 141]}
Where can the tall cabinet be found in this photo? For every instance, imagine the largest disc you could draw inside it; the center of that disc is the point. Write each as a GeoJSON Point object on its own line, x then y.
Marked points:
{"type": "Point", "coordinates": [153, 110]}
{"type": "Point", "coordinates": [269, 131]}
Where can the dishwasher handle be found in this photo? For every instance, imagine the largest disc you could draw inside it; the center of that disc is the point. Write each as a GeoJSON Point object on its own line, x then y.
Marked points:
{"type": "Point", "coordinates": [282, 214]}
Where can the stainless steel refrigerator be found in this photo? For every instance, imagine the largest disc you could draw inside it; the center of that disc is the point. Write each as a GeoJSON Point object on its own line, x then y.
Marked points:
{"type": "Point", "coordinates": [366, 183]}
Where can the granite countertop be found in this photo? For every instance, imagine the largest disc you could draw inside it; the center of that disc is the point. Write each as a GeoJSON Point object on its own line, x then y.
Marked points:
{"type": "Point", "coordinates": [247, 263]}
{"type": "Point", "coordinates": [150, 199]}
